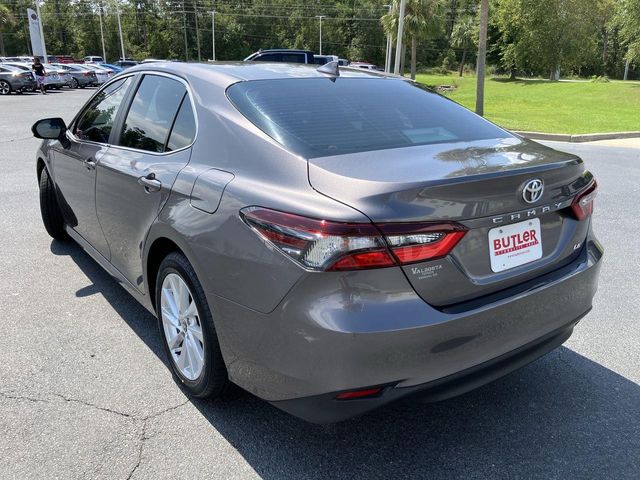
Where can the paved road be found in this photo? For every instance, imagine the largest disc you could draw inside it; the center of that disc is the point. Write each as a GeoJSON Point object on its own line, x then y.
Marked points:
{"type": "Point", "coordinates": [84, 392]}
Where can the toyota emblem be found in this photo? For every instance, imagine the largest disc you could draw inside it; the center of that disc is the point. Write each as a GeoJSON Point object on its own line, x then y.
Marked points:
{"type": "Point", "coordinates": [532, 191]}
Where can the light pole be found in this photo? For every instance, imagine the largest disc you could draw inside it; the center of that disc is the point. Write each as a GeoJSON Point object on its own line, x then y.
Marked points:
{"type": "Point", "coordinates": [396, 67]}
{"type": "Point", "coordinates": [120, 30]}
{"type": "Point", "coordinates": [44, 48]}
{"type": "Point", "coordinates": [213, 35]}
{"type": "Point", "coordinates": [195, 9]}
{"type": "Point", "coordinates": [387, 57]}
{"type": "Point", "coordinates": [104, 51]}
{"type": "Point", "coordinates": [320, 17]}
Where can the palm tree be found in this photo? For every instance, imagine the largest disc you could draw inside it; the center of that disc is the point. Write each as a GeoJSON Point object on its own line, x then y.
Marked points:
{"type": "Point", "coordinates": [421, 21]}
{"type": "Point", "coordinates": [6, 20]}
{"type": "Point", "coordinates": [482, 56]}
{"type": "Point", "coordinates": [463, 36]}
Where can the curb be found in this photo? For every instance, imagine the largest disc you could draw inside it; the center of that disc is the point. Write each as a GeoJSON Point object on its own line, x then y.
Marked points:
{"type": "Point", "coordinates": [589, 137]}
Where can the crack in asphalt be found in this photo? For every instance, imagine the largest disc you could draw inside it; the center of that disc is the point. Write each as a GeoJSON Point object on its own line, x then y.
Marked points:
{"type": "Point", "coordinates": [143, 433]}
{"type": "Point", "coordinates": [143, 420]}
{"type": "Point", "coordinates": [97, 407]}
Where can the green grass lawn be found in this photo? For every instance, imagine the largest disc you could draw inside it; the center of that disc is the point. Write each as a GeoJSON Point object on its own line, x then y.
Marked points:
{"type": "Point", "coordinates": [551, 107]}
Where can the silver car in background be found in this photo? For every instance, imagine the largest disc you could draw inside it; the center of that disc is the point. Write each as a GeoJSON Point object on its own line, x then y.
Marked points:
{"type": "Point", "coordinates": [328, 239]}
{"type": "Point", "coordinates": [102, 75]}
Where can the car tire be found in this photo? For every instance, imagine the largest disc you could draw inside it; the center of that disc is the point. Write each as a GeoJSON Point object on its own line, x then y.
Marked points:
{"type": "Point", "coordinates": [49, 208]}
{"type": "Point", "coordinates": [5, 87]}
{"type": "Point", "coordinates": [74, 83]}
{"type": "Point", "coordinates": [192, 336]}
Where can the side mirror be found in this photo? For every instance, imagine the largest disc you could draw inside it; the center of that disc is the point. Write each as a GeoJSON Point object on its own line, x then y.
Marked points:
{"type": "Point", "coordinates": [49, 128]}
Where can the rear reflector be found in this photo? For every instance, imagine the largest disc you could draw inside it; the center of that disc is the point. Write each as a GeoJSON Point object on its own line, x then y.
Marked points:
{"type": "Point", "coordinates": [369, 392]}
{"type": "Point", "coordinates": [582, 205]}
{"type": "Point", "coordinates": [327, 245]}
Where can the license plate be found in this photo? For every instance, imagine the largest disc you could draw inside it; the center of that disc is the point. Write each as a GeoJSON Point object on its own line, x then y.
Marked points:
{"type": "Point", "coordinates": [514, 245]}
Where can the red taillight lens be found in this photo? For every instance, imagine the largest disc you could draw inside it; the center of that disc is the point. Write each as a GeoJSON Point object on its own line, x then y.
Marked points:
{"type": "Point", "coordinates": [326, 245]}
{"type": "Point", "coordinates": [411, 243]}
{"type": "Point", "coordinates": [582, 205]}
{"type": "Point", "coordinates": [368, 392]}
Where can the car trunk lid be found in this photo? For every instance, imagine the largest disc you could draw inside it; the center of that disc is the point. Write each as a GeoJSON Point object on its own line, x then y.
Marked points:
{"type": "Point", "coordinates": [478, 185]}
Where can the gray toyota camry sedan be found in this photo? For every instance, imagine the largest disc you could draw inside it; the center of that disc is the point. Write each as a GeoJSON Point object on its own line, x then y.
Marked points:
{"type": "Point", "coordinates": [329, 240]}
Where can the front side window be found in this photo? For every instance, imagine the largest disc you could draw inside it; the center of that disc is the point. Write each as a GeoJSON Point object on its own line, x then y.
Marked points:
{"type": "Point", "coordinates": [96, 121]}
{"type": "Point", "coordinates": [152, 113]}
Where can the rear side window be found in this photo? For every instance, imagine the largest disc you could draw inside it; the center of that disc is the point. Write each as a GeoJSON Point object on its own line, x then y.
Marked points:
{"type": "Point", "coordinates": [184, 128]}
{"type": "Point", "coordinates": [318, 117]}
{"type": "Point", "coordinates": [151, 114]}
{"type": "Point", "coordinates": [96, 121]}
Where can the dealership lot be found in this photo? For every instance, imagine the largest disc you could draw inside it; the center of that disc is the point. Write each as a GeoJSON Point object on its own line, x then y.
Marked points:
{"type": "Point", "coordinates": [84, 392]}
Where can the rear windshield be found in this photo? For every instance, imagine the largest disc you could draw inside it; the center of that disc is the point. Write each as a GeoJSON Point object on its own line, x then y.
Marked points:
{"type": "Point", "coordinates": [317, 117]}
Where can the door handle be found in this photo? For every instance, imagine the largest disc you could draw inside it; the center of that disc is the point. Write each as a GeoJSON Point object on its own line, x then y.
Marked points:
{"type": "Point", "coordinates": [150, 183]}
{"type": "Point", "coordinates": [89, 163]}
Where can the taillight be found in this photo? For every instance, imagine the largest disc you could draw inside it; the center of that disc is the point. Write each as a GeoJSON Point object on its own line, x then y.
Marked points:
{"type": "Point", "coordinates": [327, 245]}
{"type": "Point", "coordinates": [582, 205]}
{"type": "Point", "coordinates": [411, 243]}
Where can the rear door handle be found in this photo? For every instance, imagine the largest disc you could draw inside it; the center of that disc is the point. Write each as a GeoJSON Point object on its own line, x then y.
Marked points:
{"type": "Point", "coordinates": [150, 183]}
{"type": "Point", "coordinates": [90, 164]}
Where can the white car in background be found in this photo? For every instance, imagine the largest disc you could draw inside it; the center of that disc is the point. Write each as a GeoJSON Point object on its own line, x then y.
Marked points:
{"type": "Point", "coordinates": [101, 73]}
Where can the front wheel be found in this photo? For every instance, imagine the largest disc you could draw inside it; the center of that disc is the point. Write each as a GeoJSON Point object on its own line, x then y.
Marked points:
{"type": "Point", "coordinates": [49, 208]}
{"type": "Point", "coordinates": [74, 83]}
{"type": "Point", "coordinates": [188, 332]}
{"type": "Point", "coordinates": [5, 87]}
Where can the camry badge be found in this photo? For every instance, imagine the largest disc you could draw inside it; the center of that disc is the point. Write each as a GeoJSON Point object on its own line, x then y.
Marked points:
{"type": "Point", "coordinates": [532, 191]}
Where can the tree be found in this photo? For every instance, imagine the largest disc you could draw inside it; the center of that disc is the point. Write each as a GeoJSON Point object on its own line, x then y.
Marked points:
{"type": "Point", "coordinates": [549, 34]}
{"type": "Point", "coordinates": [463, 36]}
{"type": "Point", "coordinates": [6, 20]}
{"type": "Point", "coordinates": [422, 21]}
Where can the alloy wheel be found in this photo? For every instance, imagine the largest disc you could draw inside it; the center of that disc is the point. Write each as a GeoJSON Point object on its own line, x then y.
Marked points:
{"type": "Point", "coordinates": [5, 88]}
{"type": "Point", "coordinates": [182, 327]}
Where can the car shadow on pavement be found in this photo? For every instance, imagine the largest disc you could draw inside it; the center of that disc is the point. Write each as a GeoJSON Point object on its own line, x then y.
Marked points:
{"type": "Point", "coordinates": [563, 416]}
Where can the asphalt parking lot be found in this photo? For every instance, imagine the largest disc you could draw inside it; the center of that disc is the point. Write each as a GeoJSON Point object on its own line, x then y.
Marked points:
{"type": "Point", "coordinates": [84, 392]}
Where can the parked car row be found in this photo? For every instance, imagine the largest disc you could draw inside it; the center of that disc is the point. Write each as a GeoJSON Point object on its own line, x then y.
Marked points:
{"type": "Point", "coordinates": [18, 77]}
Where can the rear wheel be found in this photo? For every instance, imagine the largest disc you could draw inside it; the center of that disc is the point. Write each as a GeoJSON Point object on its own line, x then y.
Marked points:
{"type": "Point", "coordinates": [5, 87]}
{"type": "Point", "coordinates": [188, 332]}
{"type": "Point", "coordinates": [49, 208]}
{"type": "Point", "coordinates": [74, 83]}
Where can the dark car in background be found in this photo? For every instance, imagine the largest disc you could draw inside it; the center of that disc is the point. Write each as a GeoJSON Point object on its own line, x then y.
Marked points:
{"type": "Point", "coordinates": [13, 79]}
{"type": "Point", "coordinates": [285, 55]}
{"type": "Point", "coordinates": [124, 64]}
{"type": "Point", "coordinates": [296, 236]}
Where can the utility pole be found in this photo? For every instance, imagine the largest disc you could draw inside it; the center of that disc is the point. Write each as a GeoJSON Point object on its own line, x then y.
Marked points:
{"type": "Point", "coordinates": [104, 51]}
{"type": "Point", "coordinates": [195, 11]}
{"type": "Point", "coordinates": [44, 48]}
{"type": "Point", "coordinates": [120, 31]}
{"type": "Point", "coordinates": [184, 29]}
{"type": "Point", "coordinates": [320, 17]}
{"type": "Point", "coordinates": [387, 57]}
{"type": "Point", "coordinates": [213, 35]}
{"type": "Point", "coordinates": [482, 56]}
{"type": "Point", "coordinates": [396, 68]}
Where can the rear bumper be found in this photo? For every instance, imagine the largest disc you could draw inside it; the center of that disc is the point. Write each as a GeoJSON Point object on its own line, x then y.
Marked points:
{"type": "Point", "coordinates": [351, 330]}
{"type": "Point", "coordinates": [326, 409]}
